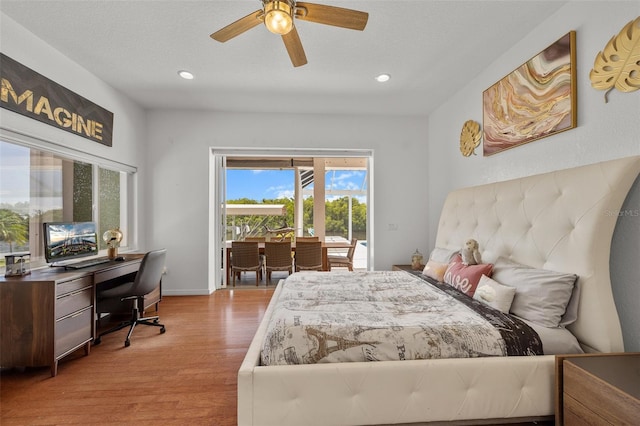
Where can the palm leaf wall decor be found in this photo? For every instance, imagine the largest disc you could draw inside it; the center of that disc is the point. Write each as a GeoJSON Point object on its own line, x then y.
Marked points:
{"type": "Point", "coordinates": [618, 65]}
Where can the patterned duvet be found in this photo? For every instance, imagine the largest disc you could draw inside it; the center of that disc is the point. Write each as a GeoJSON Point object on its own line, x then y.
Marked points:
{"type": "Point", "coordinates": [382, 316]}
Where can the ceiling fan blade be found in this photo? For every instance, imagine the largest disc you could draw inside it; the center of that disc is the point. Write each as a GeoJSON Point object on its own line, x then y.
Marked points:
{"type": "Point", "coordinates": [238, 27]}
{"type": "Point", "coordinates": [294, 48]}
{"type": "Point", "coordinates": [331, 15]}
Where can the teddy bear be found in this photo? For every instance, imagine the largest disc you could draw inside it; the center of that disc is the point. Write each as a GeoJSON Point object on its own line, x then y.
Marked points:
{"type": "Point", "coordinates": [470, 253]}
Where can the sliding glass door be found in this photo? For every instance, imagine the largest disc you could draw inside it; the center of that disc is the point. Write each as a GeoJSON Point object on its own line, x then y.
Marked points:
{"type": "Point", "coordinates": [301, 192]}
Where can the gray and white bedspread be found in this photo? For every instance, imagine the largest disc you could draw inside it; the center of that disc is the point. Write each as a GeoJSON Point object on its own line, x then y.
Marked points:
{"type": "Point", "coordinates": [384, 316]}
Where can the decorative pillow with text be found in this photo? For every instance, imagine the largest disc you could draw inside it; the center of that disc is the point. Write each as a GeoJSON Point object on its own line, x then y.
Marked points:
{"type": "Point", "coordinates": [466, 277]}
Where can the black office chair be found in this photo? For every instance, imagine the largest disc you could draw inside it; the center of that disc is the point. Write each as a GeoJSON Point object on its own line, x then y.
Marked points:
{"type": "Point", "coordinates": [132, 294]}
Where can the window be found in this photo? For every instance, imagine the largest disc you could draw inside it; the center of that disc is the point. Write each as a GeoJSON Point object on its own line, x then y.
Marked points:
{"type": "Point", "coordinates": [39, 186]}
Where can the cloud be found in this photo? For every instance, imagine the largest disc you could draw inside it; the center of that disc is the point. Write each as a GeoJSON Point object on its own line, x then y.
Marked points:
{"type": "Point", "coordinates": [350, 180]}
{"type": "Point", "coordinates": [285, 194]}
{"type": "Point", "coordinates": [280, 191]}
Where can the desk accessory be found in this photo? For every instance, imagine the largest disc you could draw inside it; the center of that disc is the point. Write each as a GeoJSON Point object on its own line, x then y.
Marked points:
{"type": "Point", "coordinates": [17, 265]}
{"type": "Point", "coordinates": [112, 237]}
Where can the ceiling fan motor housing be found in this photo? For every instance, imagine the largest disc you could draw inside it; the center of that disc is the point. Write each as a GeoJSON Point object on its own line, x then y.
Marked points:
{"type": "Point", "coordinates": [278, 15]}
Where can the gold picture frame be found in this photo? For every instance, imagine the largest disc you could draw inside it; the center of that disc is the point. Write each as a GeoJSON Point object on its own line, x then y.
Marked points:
{"type": "Point", "coordinates": [536, 100]}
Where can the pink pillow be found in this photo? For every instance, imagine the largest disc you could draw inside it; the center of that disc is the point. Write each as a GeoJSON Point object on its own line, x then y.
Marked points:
{"type": "Point", "coordinates": [466, 277]}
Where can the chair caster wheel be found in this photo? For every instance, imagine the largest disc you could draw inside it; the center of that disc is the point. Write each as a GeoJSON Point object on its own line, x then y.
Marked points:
{"type": "Point", "coordinates": [162, 330]}
{"type": "Point", "coordinates": [97, 341]}
{"type": "Point", "coordinates": [127, 343]}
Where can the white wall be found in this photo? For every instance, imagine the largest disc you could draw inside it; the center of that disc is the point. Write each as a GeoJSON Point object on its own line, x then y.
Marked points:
{"type": "Point", "coordinates": [179, 144]}
{"type": "Point", "coordinates": [605, 131]}
{"type": "Point", "coordinates": [129, 123]}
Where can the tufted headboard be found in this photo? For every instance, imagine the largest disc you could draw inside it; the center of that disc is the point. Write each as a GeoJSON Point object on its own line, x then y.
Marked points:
{"type": "Point", "coordinates": [561, 221]}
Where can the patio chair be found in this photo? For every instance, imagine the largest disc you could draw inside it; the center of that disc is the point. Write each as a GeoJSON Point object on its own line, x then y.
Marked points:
{"type": "Point", "coordinates": [308, 256]}
{"type": "Point", "coordinates": [257, 240]}
{"type": "Point", "coordinates": [338, 260]}
{"type": "Point", "coordinates": [277, 257]}
{"type": "Point", "coordinates": [245, 256]}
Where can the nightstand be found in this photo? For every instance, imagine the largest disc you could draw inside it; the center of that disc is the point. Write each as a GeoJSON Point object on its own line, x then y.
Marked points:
{"type": "Point", "coordinates": [598, 389]}
{"type": "Point", "coordinates": [404, 268]}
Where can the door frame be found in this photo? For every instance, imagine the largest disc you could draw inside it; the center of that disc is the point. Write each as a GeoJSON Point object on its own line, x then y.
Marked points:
{"type": "Point", "coordinates": [217, 195]}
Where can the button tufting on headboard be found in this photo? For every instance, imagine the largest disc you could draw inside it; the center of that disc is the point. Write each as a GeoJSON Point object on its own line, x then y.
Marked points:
{"type": "Point", "coordinates": [555, 221]}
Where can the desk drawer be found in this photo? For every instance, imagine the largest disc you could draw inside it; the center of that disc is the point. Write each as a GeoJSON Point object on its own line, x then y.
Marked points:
{"type": "Point", "coordinates": [73, 285]}
{"type": "Point", "coordinates": [72, 302]}
{"type": "Point", "coordinates": [73, 331]}
{"type": "Point", "coordinates": [117, 272]}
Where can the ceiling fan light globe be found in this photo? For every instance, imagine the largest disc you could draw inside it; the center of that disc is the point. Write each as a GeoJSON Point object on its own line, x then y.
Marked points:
{"type": "Point", "coordinates": [278, 17]}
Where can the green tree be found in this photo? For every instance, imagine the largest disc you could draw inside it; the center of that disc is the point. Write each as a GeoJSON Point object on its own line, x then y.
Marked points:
{"type": "Point", "coordinates": [359, 217]}
{"type": "Point", "coordinates": [242, 201]}
{"type": "Point", "coordinates": [307, 214]}
{"type": "Point", "coordinates": [336, 216]}
{"type": "Point", "coordinates": [257, 224]}
{"type": "Point", "coordinates": [13, 228]}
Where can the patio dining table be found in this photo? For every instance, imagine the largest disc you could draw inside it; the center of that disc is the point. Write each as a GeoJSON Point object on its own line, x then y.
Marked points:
{"type": "Point", "coordinates": [326, 245]}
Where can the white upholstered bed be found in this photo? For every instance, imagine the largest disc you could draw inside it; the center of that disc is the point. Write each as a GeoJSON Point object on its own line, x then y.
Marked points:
{"type": "Point", "coordinates": [561, 221]}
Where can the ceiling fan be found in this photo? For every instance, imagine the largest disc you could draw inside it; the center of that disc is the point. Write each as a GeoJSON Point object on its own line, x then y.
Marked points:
{"type": "Point", "coordinates": [278, 16]}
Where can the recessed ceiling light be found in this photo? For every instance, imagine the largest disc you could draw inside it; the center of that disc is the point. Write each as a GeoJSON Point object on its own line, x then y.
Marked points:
{"type": "Point", "coordinates": [186, 75]}
{"type": "Point", "coordinates": [382, 78]}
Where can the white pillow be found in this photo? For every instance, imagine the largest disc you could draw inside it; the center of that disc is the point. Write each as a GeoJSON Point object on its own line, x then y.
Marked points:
{"type": "Point", "coordinates": [494, 294]}
{"type": "Point", "coordinates": [541, 295]}
{"type": "Point", "coordinates": [442, 255]}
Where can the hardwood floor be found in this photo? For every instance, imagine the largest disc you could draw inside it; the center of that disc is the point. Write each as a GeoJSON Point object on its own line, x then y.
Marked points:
{"type": "Point", "coordinates": [185, 376]}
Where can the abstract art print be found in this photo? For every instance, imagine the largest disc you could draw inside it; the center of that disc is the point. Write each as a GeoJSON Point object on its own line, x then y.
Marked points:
{"type": "Point", "coordinates": [536, 100]}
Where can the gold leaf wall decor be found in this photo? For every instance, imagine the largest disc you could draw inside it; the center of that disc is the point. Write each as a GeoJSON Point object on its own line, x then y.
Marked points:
{"type": "Point", "coordinates": [469, 137]}
{"type": "Point", "coordinates": [618, 65]}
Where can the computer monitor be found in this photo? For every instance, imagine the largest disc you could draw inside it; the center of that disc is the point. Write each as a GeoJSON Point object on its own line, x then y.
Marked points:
{"type": "Point", "coordinates": [69, 240]}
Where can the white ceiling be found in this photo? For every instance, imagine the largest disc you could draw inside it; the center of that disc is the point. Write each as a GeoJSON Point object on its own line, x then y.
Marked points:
{"type": "Point", "coordinates": [430, 48]}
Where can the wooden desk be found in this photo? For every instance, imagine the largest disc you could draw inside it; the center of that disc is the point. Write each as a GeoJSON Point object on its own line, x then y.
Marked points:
{"type": "Point", "coordinates": [326, 245]}
{"type": "Point", "coordinates": [50, 313]}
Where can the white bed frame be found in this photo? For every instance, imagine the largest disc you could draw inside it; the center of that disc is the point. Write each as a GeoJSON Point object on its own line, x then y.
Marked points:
{"type": "Point", "coordinates": [562, 221]}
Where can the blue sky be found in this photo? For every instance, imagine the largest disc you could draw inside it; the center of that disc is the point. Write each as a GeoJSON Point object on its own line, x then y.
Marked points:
{"type": "Point", "coordinates": [14, 173]}
{"type": "Point", "coordinates": [259, 184]}
{"type": "Point", "coordinates": [271, 184]}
